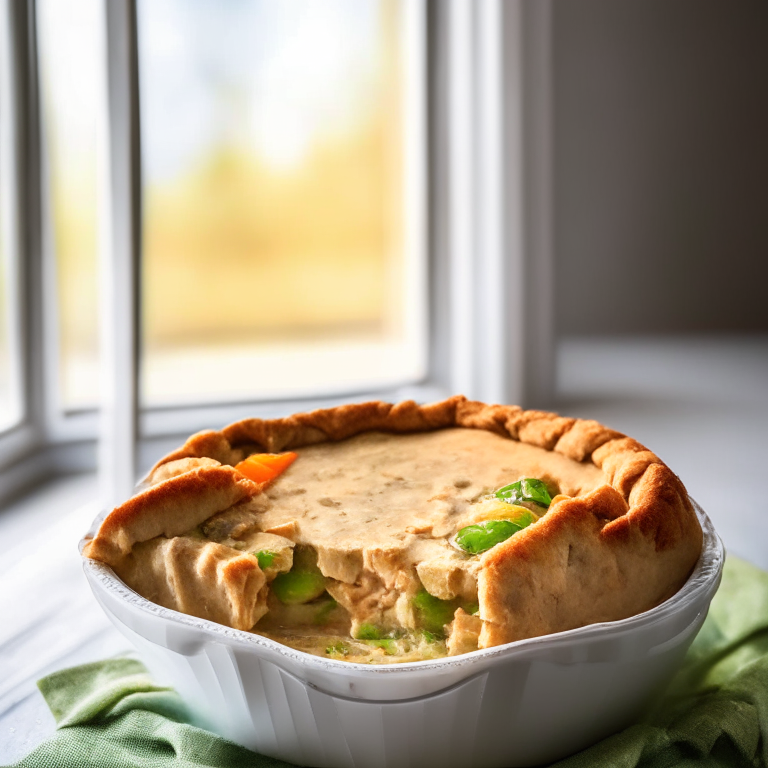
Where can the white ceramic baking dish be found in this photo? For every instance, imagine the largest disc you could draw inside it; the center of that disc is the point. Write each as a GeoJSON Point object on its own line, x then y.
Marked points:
{"type": "Point", "coordinates": [521, 704]}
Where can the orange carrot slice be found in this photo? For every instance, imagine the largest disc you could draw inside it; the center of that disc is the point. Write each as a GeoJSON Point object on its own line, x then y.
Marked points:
{"type": "Point", "coordinates": [265, 467]}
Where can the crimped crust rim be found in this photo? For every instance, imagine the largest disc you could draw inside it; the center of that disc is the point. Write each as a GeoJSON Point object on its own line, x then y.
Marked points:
{"type": "Point", "coordinates": [634, 540]}
{"type": "Point", "coordinates": [624, 460]}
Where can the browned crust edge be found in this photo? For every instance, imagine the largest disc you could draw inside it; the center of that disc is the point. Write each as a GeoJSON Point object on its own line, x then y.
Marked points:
{"type": "Point", "coordinates": [624, 460]}
{"type": "Point", "coordinates": [648, 507]}
{"type": "Point", "coordinates": [168, 509]}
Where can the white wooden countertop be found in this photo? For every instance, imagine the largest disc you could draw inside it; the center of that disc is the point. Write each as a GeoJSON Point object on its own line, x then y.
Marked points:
{"type": "Point", "coordinates": [700, 404]}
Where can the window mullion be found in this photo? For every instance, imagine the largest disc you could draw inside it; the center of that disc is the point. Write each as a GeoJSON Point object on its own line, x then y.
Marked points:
{"type": "Point", "coordinates": [120, 249]}
{"type": "Point", "coordinates": [21, 212]}
{"type": "Point", "coordinates": [48, 315]}
{"type": "Point", "coordinates": [461, 206]}
{"type": "Point", "coordinates": [494, 324]}
{"type": "Point", "coordinates": [531, 36]}
{"type": "Point", "coordinates": [497, 216]}
{"type": "Point", "coordinates": [12, 148]}
{"type": "Point", "coordinates": [18, 466]}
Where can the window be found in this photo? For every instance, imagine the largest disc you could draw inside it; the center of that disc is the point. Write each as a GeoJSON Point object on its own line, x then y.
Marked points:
{"type": "Point", "coordinates": [280, 156]}
{"type": "Point", "coordinates": [281, 169]}
{"type": "Point", "coordinates": [71, 95]}
{"type": "Point", "coordinates": [281, 252]}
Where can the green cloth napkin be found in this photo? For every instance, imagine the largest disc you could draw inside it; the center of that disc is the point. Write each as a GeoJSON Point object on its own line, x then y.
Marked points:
{"type": "Point", "coordinates": [110, 714]}
{"type": "Point", "coordinates": [715, 713]}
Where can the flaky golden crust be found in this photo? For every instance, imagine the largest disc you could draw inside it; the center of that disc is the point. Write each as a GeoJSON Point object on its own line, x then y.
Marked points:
{"type": "Point", "coordinates": [168, 509]}
{"type": "Point", "coordinates": [589, 559]}
{"type": "Point", "coordinates": [199, 578]}
{"type": "Point", "coordinates": [602, 556]}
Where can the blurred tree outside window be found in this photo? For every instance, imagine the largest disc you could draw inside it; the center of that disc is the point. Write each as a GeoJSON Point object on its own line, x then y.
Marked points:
{"type": "Point", "coordinates": [273, 169]}
{"type": "Point", "coordinates": [275, 173]}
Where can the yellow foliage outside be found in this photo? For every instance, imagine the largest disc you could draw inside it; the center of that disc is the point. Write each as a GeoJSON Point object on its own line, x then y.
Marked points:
{"type": "Point", "coordinates": [238, 252]}
{"type": "Point", "coordinates": [235, 249]}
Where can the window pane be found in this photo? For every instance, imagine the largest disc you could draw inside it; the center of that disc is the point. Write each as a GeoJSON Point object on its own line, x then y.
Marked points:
{"type": "Point", "coordinates": [278, 249]}
{"type": "Point", "coordinates": [69, 36]}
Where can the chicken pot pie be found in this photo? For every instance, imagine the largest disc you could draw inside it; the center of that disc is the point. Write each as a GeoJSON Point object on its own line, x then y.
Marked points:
{"type": "Point", "coordinates": [387, 533]}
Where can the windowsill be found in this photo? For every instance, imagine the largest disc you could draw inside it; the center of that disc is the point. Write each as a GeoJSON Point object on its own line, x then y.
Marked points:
{"type": "Point", "coordinates": [701, 404]}
{"type": "Point", "coordinates": [34, 512]}
{"type": "Point", "coordinates": [50, 619]}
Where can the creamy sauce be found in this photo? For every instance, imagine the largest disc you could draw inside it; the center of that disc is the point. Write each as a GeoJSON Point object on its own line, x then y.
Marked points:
{"type": "Point", "coordinates": [410, 647]}
{"type": "Point", "coordinates": [380, 511]}
{"type": "Point", "coordinates": [404, 493]}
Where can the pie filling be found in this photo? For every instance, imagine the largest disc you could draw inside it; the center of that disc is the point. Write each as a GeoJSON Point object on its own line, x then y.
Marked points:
{"type": "Point", "coordinates": [371, 548]}
{"type": "Point", "coordinates": [434, 536]}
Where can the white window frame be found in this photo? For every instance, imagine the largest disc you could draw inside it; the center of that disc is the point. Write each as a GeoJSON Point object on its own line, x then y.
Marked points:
{"type": "Point", "coordinates": [489, 216]}
{"type": "Point", "coordinates": [22, 447]}
{"type": "Point", "coordinates": [12, 266]}
{"type": "Point", "coordinates": [492, 220]}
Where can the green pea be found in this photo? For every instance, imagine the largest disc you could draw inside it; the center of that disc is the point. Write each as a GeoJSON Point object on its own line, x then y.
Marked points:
{"type": "Point", "coordinates": [432, 612]}
{"type": "Point", "coordinates": [369, 632]}
{"type": "Point", "coordinates": [297, 587]}
{"type": "Point", "coordinates": [265, 558]}
{"type": "Point", "coordinates": [528, 489]}
{"type": "Point", "coordinates": [479, 538]}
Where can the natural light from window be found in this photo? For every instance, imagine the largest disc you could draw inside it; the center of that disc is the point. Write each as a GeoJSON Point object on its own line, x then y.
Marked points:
{"type": "Point", "coordinates": [283, 166]}
{"type": "Point", "coordinates": [277, 259]}
{"type": "Point", "coordinates": [69, 39]}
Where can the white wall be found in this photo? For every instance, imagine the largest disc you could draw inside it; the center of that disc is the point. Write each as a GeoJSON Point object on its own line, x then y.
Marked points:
{"type": "Point", "coordinates": [661, 165]}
